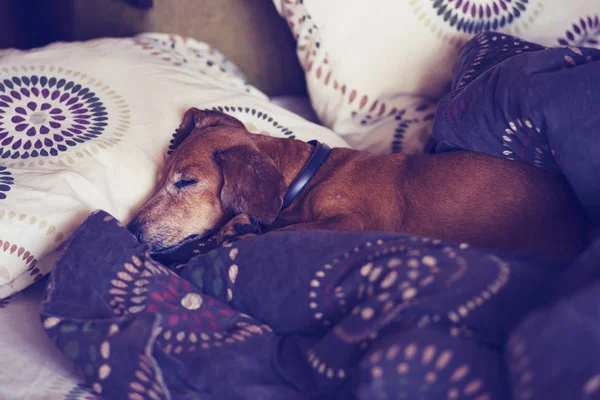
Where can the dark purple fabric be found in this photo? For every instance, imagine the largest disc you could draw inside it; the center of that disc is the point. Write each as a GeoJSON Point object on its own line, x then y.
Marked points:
{"type": "Point", "coordinates": [141, 4]}
{"type": "Point", "coordinates": [554, 353]}
{"type": "Point", "coordinates": [521, 101]}
{"type": "Point", "coordinates": [294, 315]}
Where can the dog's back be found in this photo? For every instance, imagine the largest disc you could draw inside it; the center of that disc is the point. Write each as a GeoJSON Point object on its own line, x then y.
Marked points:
{"type": "Point", "coordinates": [495, 203]}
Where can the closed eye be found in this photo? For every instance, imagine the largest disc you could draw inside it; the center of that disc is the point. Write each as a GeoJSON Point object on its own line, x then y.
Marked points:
{"type": "Point", "coordinates": [180, 184]}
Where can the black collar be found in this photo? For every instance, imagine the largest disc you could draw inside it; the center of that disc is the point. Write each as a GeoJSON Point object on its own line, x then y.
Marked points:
{"type": "Point", "coordinates": [318, 158]}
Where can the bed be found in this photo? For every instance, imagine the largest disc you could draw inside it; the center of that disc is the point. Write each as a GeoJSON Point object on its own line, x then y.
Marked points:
{"type": "Point", "coordinates": [86, 312]}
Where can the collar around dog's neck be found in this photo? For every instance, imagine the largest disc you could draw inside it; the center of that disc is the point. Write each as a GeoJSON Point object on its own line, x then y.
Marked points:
{"type": "Point", "coordinates": [318, 158]}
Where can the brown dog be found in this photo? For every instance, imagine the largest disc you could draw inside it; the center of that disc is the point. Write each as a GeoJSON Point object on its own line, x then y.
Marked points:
{"type": "Point", "coordinates": [222, 173]}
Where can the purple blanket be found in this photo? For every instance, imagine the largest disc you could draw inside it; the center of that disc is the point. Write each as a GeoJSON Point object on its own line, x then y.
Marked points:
{"type": "Point", "coordinates": [316, 315]}
{"type": "Point", "coordinates": [521, 101]}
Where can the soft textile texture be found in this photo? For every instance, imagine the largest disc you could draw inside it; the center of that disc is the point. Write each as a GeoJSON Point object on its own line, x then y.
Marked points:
{"type": "Point", "coordinates": [31, 367]}
{"type": "Point", "coordinates": [312, 315]}
{"type": "Point", "coordinates": [87, 125]}
{"type": "Point", "coordinates": [520, 101]}
{"type": "Point", "coordinates": [375, 69]}
{"type": "Point", "coordinates": [554, 353]}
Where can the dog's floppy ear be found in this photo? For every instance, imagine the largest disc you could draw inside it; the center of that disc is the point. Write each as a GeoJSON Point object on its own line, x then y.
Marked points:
{"type": "Point", "coordinates": [199, 119]}
{"type": "Point", "coordinates": [252, 184]}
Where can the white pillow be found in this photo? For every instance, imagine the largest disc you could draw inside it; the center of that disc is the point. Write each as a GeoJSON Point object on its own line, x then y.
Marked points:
{"type": "Point", "coordinates": [86, 126]}
{"type": "Point", "coordinates": [375, 69]}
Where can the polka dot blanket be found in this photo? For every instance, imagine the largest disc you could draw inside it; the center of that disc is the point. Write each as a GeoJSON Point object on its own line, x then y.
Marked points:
{"type": "Point", "coordinates": [327, 315]}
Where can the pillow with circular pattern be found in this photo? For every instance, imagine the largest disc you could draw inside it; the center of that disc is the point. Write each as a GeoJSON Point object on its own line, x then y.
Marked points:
{"type": "Point", "coordinates": [86, 126]}
{"type": "Point", "coordinates": [375, 69]}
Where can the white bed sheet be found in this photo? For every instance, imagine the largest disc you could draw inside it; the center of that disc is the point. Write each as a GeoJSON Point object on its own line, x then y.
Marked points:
{"type": "Point", "coordinates": [31, 368]}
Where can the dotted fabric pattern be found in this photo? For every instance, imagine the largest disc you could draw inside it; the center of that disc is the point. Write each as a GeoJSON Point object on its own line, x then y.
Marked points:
{"type": "Point", "coordinates": [521, 101]}
{"type": "Point", "coordinates": [291, 315]}
{"type": "Point", "coordinates": [79, 132]}
{"type": "Point", "coordinates": [375, 71]}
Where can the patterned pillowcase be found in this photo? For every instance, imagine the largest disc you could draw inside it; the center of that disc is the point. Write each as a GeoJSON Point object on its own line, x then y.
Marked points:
{"type": "Point", "coordinates": [376, 69]}
{"type": "Point", "coordinates": [86, 126]}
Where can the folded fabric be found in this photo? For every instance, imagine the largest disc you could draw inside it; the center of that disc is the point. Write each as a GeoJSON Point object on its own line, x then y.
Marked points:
{"type": "Point", "coordinates": [521, 101]}
{"type": "Point", "coordinates": [291, 315]}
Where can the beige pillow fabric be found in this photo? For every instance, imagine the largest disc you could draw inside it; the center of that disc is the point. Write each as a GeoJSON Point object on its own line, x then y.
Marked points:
{"type": "Point", "coordinates": [86, 126]}
{"type": "Point", "coordinates": [375, 69]}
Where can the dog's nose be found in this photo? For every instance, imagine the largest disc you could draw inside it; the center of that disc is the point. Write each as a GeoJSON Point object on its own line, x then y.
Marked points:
{"type": "Point", "coordinates": [135, 227]}
{"type": "Point", "coordinates": [140, 236]}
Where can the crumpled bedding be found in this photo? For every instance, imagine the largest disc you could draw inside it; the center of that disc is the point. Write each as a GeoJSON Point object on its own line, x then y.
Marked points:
{"type": "Point", "coordinates": [326, 315]}
{"type": "Point", "coordinates": [291, 315]}
{"type": "Point", "coordinates": [554, 352]}
{"type": "Point", "coordinates": [521, 101]}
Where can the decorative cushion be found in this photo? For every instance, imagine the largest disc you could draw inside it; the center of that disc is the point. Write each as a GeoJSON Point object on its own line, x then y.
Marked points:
{"type": "Point", "coordinates": [86, 126]}
{"type": "Point", "coordinates": [375, 70]}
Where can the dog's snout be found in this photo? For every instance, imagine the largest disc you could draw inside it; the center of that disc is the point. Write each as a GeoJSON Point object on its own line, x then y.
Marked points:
{"type": "Point", "coordinates": [135, 227]}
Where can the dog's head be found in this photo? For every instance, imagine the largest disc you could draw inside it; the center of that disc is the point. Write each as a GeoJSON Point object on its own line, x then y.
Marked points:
{"type": "Point", "coordinates": [216, 172]}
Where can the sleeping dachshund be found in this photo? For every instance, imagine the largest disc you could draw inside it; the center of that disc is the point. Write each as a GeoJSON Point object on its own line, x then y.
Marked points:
{"type": "Point", "coordinates": [221, 175]}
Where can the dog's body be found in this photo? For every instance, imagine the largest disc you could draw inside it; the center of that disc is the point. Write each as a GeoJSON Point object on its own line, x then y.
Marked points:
{"type": "Point", "coordinates": [222, 174]}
